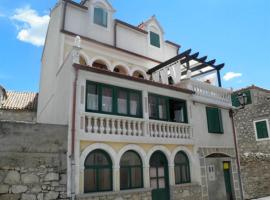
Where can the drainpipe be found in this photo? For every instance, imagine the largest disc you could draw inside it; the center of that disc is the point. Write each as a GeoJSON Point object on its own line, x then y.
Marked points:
{"type": "Point", "coordinates": [231, 112]}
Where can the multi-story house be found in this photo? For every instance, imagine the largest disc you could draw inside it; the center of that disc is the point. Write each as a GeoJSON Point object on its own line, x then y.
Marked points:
{"type": "Point", "coordinates": [252, 127]}
{"type": "Point", "coordinates": [145, 120]}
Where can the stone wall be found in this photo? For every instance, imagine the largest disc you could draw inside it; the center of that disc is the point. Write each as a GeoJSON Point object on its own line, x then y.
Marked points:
{"type": "Point", "coordinates": [140, 194]}
{"type": "Point", "coordinates": [186, 192]}
{"type": "Point", "coordinates": [255, 171]}
{"type": "Point", "coordinates": [25, 116]}
{"type": "Point", "coordinates": [32, 161]}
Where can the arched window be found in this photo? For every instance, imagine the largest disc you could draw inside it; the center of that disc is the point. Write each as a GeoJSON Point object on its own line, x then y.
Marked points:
{"type": "Point", "coordinates": [138, 74]}
{"type": "Point", "coordinates": [121, 70]}
{"type": "Point", "coordinates": [98, 172]}
{"type": "Point", "coordinates": [82, 61]}
{"type": "Point", "coordinates": [100, 64]}
{"type": "Point", "coordinates": [131, 175]}
{"type": "Point", "coordinates": [181, 168]}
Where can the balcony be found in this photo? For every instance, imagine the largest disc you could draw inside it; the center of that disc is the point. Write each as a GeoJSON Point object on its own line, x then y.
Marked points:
{"type": "Point", "coordinates": [207, 93]}
{"type": "Point", "coordinates": [101, 127]}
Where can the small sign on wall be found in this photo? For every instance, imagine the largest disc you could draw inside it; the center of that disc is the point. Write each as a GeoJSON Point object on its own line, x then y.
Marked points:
{"type": "Point", "coordinates": [211, 172]}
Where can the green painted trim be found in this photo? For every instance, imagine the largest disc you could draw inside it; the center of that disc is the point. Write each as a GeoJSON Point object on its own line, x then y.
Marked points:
{"type": "Point", "coordinates": [167, 99]}
{"type": "Point", "coordinates": [154, 39]}
{"type": "Point", "coordinates": [114, 99]}
{"type": "Point", "coordinates": [182, 164]}
{"type": "Point", "coordinates": [212, 114]}
{"type": "Point", "coordinates": [129, 167]}
{"type": "Point", "coordinates": [97, 169]}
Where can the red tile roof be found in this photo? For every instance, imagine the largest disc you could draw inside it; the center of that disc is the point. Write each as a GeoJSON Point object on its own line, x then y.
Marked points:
{"type": "Point", "coordinates": [20, 101]}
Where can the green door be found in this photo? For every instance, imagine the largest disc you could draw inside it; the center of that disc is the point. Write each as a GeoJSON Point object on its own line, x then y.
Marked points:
{"type": "Point", "coordinates": [159, 180]}
{"type": "Point", "coordinates": [227, 178]}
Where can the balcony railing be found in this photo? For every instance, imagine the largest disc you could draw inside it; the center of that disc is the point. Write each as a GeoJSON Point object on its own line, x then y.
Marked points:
{"type": "Point", "coordinates": [208, 93]}
{"type": "Point", "coordinates": [141, 130]}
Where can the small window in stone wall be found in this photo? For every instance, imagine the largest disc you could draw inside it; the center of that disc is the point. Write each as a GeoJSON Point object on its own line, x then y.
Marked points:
{"type": "Point", "coordinates": [261, 129]}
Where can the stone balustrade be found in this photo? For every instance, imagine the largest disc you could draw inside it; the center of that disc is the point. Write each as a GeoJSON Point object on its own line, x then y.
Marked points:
{"type": "Point", "coordinates": [207, 93]}
{"type": "Point", "coordinates": [102, 124]}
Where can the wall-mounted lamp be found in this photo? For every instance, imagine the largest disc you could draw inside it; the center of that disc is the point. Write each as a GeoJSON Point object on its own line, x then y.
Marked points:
{"type": "Point", "coordinates": [242, 98]}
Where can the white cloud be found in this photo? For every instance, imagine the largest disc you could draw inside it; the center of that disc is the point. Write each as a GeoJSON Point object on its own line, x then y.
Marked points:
{"type": "Point", "coordinates": [31, 26]}
{"type": "Point", "coordinates": [231, 75]}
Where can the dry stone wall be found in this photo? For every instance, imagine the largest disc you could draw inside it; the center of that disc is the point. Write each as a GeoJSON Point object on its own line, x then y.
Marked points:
{"type": "Point", "coordinates": [32, 161]}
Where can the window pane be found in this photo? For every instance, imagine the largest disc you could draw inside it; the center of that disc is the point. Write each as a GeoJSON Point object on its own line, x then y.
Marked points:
{"type": "Point", "coordinates": [135, 104]}
{"type": "Point", "coordinates": [130, 158]}
{"type": "Point", "coordinates": [124, 178]}
{"type": "Point", "coordinates": [100, 17]}
{"type": "Point", "coordinates": [177, 174]}
{"type": "Point", "coordinates": [90, 180]}
{"type": "Point", "coordinates": [177, 111]}
{"type": "Point", "coordinates": [162, 108]}
{"type": "Point", "coordinates": [92, 97]}
{"type": "Point", "coordinates": [184, 174]}
{"type": "Point", "coordinates": [181, 158]}
{"type": "Point", "coordinates": [261, 128]}
{"type": "Point", "coordinates": [107, 99]}
{"type": "Point", "coordinates": [104, 179]}
{"type": "Point", "coordinates": [122, 102]}
{"type": "Point", "coordinates": [153, 172]}
{"type": "Point", "coordinates": [154, 39]}
{"type": "Point", "coordinates": [97, 158]}
{"type": "Point", "coordinates": [152, 107]}
{"type": "Point", "coordinates": [161, 172]}
{"type": "Point", "coordinates": [161, 183]}
{"type": "Point", "coordinates": [136, 177]}
{"type": "Point", "coordinates": [153, 183]}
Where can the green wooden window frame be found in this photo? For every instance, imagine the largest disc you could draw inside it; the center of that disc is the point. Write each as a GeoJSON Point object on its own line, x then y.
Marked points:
{"type": "Point", "coordinates": [182, 168]}
{"type": "Point", "coordinates": [115, 91]}
{"type": "Point", "coordinates": [214, 120]}
{"type": "Point", "coordinates": [262, 129]}
{"type": "Point", "coordinates": [98, 169]}
{"type": "Point", "coordinates": [100, 17]}
{"type": "Point", "coordinates": [158, 99]}
{"type": "Point", "coordinates": [154, 39]}
{"type": "Point", "coordinates": [235, 101]}
{"type": "Point", "coordinates": [129, 169]}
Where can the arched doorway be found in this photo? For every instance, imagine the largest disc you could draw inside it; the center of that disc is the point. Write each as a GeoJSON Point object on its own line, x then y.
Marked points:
{"type": "Point", "coordinates": [159, 176]}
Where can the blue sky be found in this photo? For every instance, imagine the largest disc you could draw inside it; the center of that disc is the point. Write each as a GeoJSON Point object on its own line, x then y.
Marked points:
{"type": "Point", "coordinates": [234, 32]}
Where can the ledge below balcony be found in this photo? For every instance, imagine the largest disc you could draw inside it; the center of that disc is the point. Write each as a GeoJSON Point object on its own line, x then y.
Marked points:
{"type": "Point", "coordinates": [207, 93]}
{"type": "Point", "coordinates": [100, 127]}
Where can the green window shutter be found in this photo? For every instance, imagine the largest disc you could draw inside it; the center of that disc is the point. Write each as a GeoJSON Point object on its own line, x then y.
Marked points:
{"type": "Point", "coordinates": [261, 128]}
{"type": "Point", "coordinates": [154, 39]}
{"type": "Point", "coordinates": [235, 101]}
{"type": "Point", "coordinates": [100, 17]}
{"type": "Point", "coordinates": [214, 120]}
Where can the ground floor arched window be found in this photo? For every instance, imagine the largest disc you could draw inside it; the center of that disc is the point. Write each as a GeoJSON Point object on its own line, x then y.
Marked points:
{"type": "Point", "coordinates": [131, 173]}
{"type": "Point", "coordinates": [98, 172]}
{"type": "Point", "coordinates": [181, 168]}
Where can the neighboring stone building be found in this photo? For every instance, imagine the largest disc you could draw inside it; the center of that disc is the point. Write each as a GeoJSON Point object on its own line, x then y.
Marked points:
{"type": "Point", "coordinates": [253, 135]}
{"type": "Point", "coordinates": [18, 106]}
{"type": "Point", "coordinates": [145, 121]}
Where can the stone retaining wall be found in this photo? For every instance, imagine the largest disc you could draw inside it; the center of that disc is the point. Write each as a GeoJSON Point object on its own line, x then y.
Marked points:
{"type": "Point", "coordinates": [32, 161]}
{"type": "Point", "coordinates": [186, 192]}
{"type": "Point", "coordinates": [140, 194]}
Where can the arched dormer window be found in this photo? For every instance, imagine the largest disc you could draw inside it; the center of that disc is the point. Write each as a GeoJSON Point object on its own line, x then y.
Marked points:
{"type": "Point", "coordinates": [138, 74]}
{"type": "Point", "coordinates": [100, 16]}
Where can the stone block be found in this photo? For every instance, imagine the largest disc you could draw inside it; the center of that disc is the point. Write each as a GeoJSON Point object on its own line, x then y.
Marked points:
{"type": "Point", "coordinates": [30, 178]}
{"type": "Point", "coordinates": [10, 197]}
{"type": "Point", "coordinates": [28, 197]}
{"type": "Point", "coordinates": [40, 196]}
{"type": "Point", "coordinates": [17, 189]}
{"type": "Point", "coordinates": [51, 177]}
{"type": "Point", "coordinates": [13, 177]}
{"type": "Point", "coordinates": [36, 189]}
{"type": "Point", "coordinates": [4, 189]}
{"type": "Point", "coordinates": [51, 195]}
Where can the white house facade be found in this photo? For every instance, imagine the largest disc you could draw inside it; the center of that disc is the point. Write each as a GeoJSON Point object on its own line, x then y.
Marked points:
{"type": "Point", "coordinates": [145, 120]}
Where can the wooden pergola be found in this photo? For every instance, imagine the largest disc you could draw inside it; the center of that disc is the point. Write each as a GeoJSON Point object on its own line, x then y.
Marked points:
{"type": "Point", "coordinates": [197, 66]}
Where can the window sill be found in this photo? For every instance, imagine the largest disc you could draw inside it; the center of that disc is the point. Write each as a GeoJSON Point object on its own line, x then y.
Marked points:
{"type": "Point", "coordinates": [185, 185]}
{"type": "Point", "coordinates": [98, 194]}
